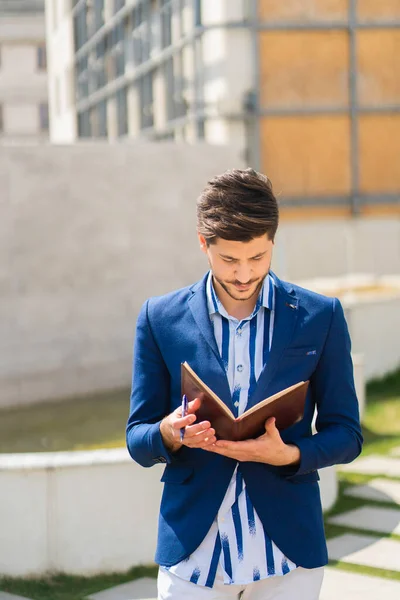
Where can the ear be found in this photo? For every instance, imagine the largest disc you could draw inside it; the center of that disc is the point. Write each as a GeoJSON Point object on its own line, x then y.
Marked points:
{"type": "Point", "coordinates": [203, 243]}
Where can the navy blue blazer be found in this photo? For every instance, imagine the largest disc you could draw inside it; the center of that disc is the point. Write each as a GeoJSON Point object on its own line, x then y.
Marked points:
{"type": "Point", "coordinates": [310, 341]}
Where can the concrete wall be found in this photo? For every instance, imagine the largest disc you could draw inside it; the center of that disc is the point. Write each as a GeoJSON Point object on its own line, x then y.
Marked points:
{"type": "Point", "coordinates": [89, 231]}
{"type": "Point", "coordinates": [330, 247]}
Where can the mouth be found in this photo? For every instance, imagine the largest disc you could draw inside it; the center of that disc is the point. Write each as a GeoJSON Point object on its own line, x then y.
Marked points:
{"type": "Point", "coordinates": [243, 287]}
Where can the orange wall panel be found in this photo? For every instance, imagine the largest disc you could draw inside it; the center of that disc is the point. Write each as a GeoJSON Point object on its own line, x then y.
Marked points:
{"type": "Point", "coordinates": [380, 210]}
{"type": "Point", "coordinates": [375, 10]}
{"type": "Point", "coordinates": [304, 68]}
{"type": "Point", "coordinates": [379, 137]}
{"type": "Point", "coordinates": [302, 10]}
{"type": "Point", "coordinates": [378, 67]}
{"type": "Point", "coordinates": [307, 155]}
{"type": "Point", "coordinates": [313, 212]}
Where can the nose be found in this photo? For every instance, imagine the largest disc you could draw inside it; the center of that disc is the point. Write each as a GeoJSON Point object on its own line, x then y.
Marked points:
{"type": "Point", "coordinates": [243, 274]}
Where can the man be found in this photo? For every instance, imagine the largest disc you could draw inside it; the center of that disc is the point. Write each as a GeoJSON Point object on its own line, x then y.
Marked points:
{"type": "Point", "coordinates": [241, 519]}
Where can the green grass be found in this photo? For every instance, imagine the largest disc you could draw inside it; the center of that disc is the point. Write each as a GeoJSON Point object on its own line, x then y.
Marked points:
{"type": "Point", "coordinates": [381, 422]}
{"type": "Point", "coordinates": [362, 570]}
{"type": "Point", "coordinates": [381, 430]}
{"type": "Point", "coordinates": [67, 587]}
{"type": "Point", "coordinates": [96, 421]}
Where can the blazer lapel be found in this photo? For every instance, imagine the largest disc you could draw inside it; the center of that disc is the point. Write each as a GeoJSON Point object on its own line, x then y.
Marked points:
{"type": "Point", "coordinates": [286, 314]}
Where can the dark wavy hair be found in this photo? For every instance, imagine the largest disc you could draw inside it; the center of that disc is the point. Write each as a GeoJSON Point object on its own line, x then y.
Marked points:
{"type": "Point", "coordinates": [238, 205]}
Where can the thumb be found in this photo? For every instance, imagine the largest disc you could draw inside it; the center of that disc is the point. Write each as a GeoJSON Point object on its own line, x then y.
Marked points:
{"type": "Point", "coordinates": [194, 405]}
{"type": "Point", "coordinates": [270, 427]}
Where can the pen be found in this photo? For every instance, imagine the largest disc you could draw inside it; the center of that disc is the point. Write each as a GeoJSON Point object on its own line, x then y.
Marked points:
{"type": "Point", "coordinates": [184, 413]}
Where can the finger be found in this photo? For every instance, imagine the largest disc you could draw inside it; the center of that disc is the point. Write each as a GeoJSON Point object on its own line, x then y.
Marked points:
{"type": "Point", "coordinates": [180, 422]}
{"type": "Point", "coordinates": [194, 405]}
{"type": "Point", "coordinates": [203, 438]}
{"type": "Point", "coordinates": [207, 443]}
{"type": "Point", "coordinates": [198, 428]}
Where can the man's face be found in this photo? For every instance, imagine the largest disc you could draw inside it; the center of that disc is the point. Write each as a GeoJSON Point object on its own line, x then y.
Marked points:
{"type": "Point", "coordinates": [239, 267]}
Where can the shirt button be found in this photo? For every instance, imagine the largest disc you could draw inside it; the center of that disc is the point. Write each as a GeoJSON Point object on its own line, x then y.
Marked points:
{"type": "Point", "coordinates": [239, 368]}
{"type": "Point", "coordinates": [236, 403]}
{"type": "Point", "coordinates": [239, 332]}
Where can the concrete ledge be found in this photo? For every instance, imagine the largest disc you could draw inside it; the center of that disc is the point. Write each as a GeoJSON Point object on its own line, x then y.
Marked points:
{"type": "Point", "coordinates": [84, 512]}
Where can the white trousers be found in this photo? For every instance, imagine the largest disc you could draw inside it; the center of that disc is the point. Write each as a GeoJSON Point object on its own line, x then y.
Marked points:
{"type": "Point", "coordinates": [300, 584]}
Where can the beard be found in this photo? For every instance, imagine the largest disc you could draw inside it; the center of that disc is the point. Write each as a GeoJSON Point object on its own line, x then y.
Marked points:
{"type": "Point", "coordinates": [228, 287]}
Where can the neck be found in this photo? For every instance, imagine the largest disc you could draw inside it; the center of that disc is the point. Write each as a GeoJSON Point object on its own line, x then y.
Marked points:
{"type": "Point", "coordinates": [240, 309]}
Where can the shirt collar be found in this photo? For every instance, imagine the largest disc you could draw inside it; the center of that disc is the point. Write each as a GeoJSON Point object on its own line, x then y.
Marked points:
{"type": "Point", "coordinates": [215, 306]}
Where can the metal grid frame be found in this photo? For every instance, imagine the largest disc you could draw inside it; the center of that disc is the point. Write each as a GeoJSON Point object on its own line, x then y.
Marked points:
{"type": "Point", "coordinates": [254, 113]}
{"type": "Point", "coordinates": [355, 200]}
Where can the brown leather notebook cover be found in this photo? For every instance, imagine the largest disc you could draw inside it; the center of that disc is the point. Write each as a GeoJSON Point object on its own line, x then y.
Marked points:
{"type": "Point", "coordinates": [287, 406]}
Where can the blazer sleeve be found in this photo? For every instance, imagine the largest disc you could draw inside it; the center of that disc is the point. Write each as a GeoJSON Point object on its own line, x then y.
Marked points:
{"type": "Point", "coordinates": [338, 438]}
{"type": "Point", "coordinates": [150, 401]}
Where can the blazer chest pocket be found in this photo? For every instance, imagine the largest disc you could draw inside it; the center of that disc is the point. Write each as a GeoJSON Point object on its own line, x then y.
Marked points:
{"type": "Point", "coordinates": [176, 474]}
{"type": "Point", "coordinates": [305, 352]}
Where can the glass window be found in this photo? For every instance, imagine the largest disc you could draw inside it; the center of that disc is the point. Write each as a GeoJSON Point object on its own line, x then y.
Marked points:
{"type": "Point", "coordinates": [41, 58]}
{"type": "Point", "coordinates": [122, 111]}
{"type": "Point", "coordinates": [180, 85]}
{"type": "Point", "coordinates": [197, 12]}
{"type": "Point", "coordinates": [44, 117]}
{"type": "Point", "coordinates": [118, 4]}
{"type": "Point", "coordinates": [99, 14]}
{"type": "Point", "coordinates": [118, 49]}
{"type": "Point", "coordinates": [102, 118]}
{"type": "Point", "coordinates": [82, 79]}
{"type": "Point", "coordinates": [201, 129]}
{"type": "Point", "coordinates": [166, 32]}
{"type": "Point", "coordinates": [80, 27]}
{"type": "Point", "coordinates": [146, 100]}
{"type": "Point", "coordinates": [169, 88]}
{"type": "Point", "coordinates": [84, 129]}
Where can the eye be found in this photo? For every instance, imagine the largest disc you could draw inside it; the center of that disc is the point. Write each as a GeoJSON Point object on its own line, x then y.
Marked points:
{"type": "Point", "coordinates": [228, 260]}
{"type": "Point", "coordinates": [257, 258]}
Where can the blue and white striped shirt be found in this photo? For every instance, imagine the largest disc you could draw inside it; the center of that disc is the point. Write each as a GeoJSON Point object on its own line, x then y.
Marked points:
{"type": "Point", "coordinates": [237, 540]}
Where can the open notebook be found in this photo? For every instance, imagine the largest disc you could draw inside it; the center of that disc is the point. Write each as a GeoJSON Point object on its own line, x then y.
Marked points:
{"type": "Point", "coordinates": [287, 406]}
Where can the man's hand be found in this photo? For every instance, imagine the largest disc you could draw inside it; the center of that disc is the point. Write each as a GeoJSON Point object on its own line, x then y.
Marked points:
{"type": "Point", "coordinates": [268, 448]}
{"type": "Point", "coordinates": [200, 435]}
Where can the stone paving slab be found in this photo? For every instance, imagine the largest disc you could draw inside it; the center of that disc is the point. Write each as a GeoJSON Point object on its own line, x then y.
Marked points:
{"type": "Point", "coordinates": [370, 518]}
{"type": "Point", "coordinates": [380, 553]}
{"type": "Point", "coordinates": [347, 586]}
{"type": "Point", "coordinates": [7, 596]}
{"type": "Point", "coordinates": [383, 490]}
{"type": "Point", "coordinates": [353, 586]}
{"type": "Point", "coordinates": [374, 465]}
{"type": "Point", "coordinates": [140, 589]}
